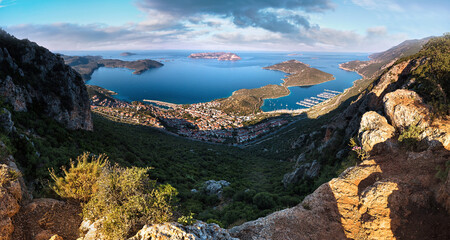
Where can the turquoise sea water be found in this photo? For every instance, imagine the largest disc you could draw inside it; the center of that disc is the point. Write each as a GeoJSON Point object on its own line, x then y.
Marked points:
{"type": "Point", "coordinates": [183, 80]}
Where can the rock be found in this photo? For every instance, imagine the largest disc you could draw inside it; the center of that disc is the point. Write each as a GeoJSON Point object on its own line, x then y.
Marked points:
{"type": "Point", "coordinates": [300, 159]}
{"type": "Point", "coordinates": [56, 237]}
{"type": "Point", "coordinates": [306, 170]}
{"type": "Point", "coordinates": [176, 231]}
{"type": "Point", "coordinates": [405, 108]}
{"type": "Point", "coordinates": [374, 129]}
{"type": "Point", "coordinates": [390, 196]}
{"type": "Point", "coordinates": [341, 154]}
{"type": "Point", "coordinates": [10, 198]}
{"type": "Point", "coordinates": [90, 230]}
{"type": "Point", "coordinates": [6, 124]}
{"type": "Point", "coordinates": [47, 217]}
{"type": "Point", "coordinates": [313, 170]}
{"type": "Point", "coordinates": [212, 187]}
{"type": "Point", "coordinates": [194, 190]}
{"type": "Point", "coordinates": [33, 76]}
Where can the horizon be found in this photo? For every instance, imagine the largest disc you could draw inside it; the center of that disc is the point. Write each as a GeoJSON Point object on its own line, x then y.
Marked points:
{"type": "Point", "coordinates": [353, 26]}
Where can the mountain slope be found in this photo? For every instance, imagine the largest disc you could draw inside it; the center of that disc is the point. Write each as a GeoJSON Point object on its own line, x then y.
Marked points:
{"type": "Point", "coordinates": [33, 78]}
{"type": "Point", "coordinates": [382, 60]}
{"type": "Point", "coordinates": [394, 193]}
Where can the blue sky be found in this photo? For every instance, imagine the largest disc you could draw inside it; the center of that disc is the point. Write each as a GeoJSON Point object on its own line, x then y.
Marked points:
{"type": "Point", "coordinates": [280, 25]}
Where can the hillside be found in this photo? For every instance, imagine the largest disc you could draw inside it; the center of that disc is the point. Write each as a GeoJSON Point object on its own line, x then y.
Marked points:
{"type": "Point", "coordinates": [399, 187]}
{"type": "Point", "coordinates": [392, 182]}
{"type": "Point", "coordinates": [382, 60]}
{"type": "Point", "coordinates": [34, 79]}
{"type": "Point", "coordinates": [300, 74]}
{"type": "Point", "coordinates": [86, 65]}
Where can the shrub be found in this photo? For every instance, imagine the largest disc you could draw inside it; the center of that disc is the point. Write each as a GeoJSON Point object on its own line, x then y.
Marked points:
{"type": "Point", "coordinates": [264, 200]}
{"type": "Point", "coordinates": [126, 200]}
{"type": "Point", "coordinates": [410, 137]}
{"type": "Point", "coordinates": [80, 181]}
{"type": "Point", "coordinates": [187, 220]}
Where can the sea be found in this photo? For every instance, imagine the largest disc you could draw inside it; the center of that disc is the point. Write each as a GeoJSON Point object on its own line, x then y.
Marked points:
{"type": "Point", "coordinates": [183, 80]}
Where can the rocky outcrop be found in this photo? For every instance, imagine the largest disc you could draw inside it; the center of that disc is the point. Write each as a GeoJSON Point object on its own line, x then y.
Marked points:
{"type": "Point", "coordinates": [212, 187]}
{"type": "Point", "coordinates": [176, 231]}
{"type": "Point", "coordinates": [44, 218]}
{"type": "Point", "coordinates": [32, 77]}
{"type": "Point", "coordinates": [163, 231]}
{"type": "Point", "coordinates": [405, 108]}
{"type": "Point", "coordinates": [306, 170]}
{"type": "Point", "coordinates": [374, 129]}
{"type": "Point", "coordinates": [10, 198]}
{"type": "Point", "coordinates": [394, 194]}
{"type": "Point", "coordinates": [6, 123]}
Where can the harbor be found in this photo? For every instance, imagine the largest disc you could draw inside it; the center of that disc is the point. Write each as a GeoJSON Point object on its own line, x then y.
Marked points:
{"type": "Point", "coordinates": [312, 101]}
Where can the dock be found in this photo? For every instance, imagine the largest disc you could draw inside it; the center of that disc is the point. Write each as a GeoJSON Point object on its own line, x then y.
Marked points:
{"type": "Point", "coordinates": [321, 97]}
{"type": "Point", "coordinates": [161, 103]}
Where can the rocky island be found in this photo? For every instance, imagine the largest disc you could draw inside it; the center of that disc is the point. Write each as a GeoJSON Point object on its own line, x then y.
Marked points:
{"type": "Point", "coordinates": [221, 56]}
{"type": "Point", "coordinates": [86, 65]}
{"type": "Point", "coordinates": [126, 54]}
{"type": "Point", "coordinates": [300, 74]}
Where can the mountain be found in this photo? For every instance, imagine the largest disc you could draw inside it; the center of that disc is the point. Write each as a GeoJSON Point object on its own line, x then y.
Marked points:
{"type": "Point", "coordinates": [393, 182]}
{"type": "Point", "coordinates": [34, 79]}
{"type": "Point", "coordinates": [221, 56]}
{"type": "Point", "coordinates": [399, 187]}
{"type": "Point", "coordinates": [382, 60]}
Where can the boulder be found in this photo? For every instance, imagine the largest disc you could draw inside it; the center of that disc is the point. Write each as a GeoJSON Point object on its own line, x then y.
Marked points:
{"type": "Point", "coordinates": [6, 124]}
{"type": "Point", "coordinates": [176, 231]}
{"type": "Point", "coordinates": [306, 170]}
{"type": "Point", "coordinates": [374, 129]}
{"type": "Point", "coordinates": [10, 198]}
{"type": "Point", "coordinates": [405, 108]}
{"type": "Point", "coordinates": [212, 187]}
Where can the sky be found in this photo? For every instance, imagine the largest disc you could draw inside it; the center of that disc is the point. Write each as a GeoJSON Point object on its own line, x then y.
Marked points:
{"type": "Point", "coordinates": [252, 25]}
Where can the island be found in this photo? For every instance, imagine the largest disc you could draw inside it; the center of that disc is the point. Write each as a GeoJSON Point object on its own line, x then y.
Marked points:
{"type": "Point", "coordinates": [126, 54]}
{"type": "Point", "coordinates": [221, 56]}
{"type": "Point", "coordinates": [86, 65]}
{"type": "Point", "coordinates": [300, 74]}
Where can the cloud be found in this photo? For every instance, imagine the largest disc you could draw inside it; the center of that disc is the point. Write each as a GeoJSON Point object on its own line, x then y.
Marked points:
{"type": "Point", "coordinates": [6, 3]}
{"type": "Point", "coordinates": [270, 15]}
{"type": "Point", "coordinates": [381, 5]}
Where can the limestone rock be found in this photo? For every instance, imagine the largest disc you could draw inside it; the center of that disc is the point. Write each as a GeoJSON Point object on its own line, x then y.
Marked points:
{"type": "Point", "coordinates": [405, 108]}
{"type": "Point", "coordinates": [6, 124]}
{"type": "Point", "coordinates": [374, 129]}
{"type": "Point", "coordinates": [176, 231]}
{"type": "Point", "coordinates": [212, 187]}
{"type": "Point", "coordinates": [32, 75]}
{"type": "Point", "coordinates": [306, 170]}
{"type": "Point", "coordinates": [10, 198]}
{"type": "Point", "coordinates": [47, 217]}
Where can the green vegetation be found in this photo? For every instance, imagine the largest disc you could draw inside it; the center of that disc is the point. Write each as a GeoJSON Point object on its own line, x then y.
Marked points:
{"type": "Point", "coordinates": [80, 181]}
{"type": "Point", "coordinates": [127, 199]}
{"type": "Point", "coordinates": [187, 220]}
{"type": "Point", "coordinates": [432, 77]}
{"type": "Point", "coordinates": [410, 137]}
{"type": "Point", "coordinates": [124, 199]}
{"type": "Point", "coordinates": [442, 172]}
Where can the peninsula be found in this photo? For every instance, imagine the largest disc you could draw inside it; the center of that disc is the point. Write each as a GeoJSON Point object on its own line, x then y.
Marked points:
{"type": "Point", "coordinates": [300, 74]}
{"type": "Point", "coordinates": [221, 56]}
{"type": "Point", "coordinates": [86, 65]}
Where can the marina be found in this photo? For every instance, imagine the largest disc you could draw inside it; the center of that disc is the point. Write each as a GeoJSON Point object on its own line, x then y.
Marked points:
{"type": "Point", "coordinates": [312, 101]}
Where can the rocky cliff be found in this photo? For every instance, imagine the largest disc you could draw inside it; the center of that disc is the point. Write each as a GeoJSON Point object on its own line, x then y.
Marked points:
{"type": "Point", "coordinates": [401, 188]}
{"type": "Point", "coordinates": [33, 78]}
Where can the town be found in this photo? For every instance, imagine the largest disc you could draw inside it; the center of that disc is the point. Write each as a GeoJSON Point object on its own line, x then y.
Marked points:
{"type": "Point", "coordinates": [200, 121]}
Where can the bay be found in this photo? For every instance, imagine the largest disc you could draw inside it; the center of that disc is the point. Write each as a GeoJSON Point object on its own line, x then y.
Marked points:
{"type": "Point", "coordinates": [183, 80]}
